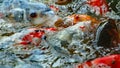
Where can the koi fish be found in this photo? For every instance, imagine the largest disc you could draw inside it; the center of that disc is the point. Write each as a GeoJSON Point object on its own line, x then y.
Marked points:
{"type": "Point", "coordinates": [80, 17]}
{"type": "Point", "coordinates": [35, 36]}
{"type": "Point", "coordinates": [32, 37]}
{"type": "Point", "coordinates": [99, 6]}
{"type": "Point", "coordinates": [76, 18]}
{"type": "Point", "coordinates": [111, 61]}
{"type": "Point", "coordinates": [25, 11]}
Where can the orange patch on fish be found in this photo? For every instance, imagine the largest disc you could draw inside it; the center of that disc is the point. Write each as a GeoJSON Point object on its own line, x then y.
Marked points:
{"type": "Point", "coordinates": [80, 17]}
{"type": "Point", "coordinates": [112, 61]}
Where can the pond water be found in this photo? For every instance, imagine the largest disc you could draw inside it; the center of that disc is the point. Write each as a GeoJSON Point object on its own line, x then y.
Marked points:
{"type": "Point", "coordinates": [29, 38]}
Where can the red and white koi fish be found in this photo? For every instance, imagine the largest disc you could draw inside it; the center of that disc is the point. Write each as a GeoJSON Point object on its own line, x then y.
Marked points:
{"type": "Point", "coordinates": [99, 6]}
{"type": "Point", "coordinates": [112, 61]}
{"type": "Point", "coordinates": [35, 36]}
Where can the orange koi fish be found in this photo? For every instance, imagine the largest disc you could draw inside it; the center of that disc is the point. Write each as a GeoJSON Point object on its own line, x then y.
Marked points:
{"type": "Point", "coordinates": [112, 61]}
{"type": "Point", "coordinates": [80, 17]}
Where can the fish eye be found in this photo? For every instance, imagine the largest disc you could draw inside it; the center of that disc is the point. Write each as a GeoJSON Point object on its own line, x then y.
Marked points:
{"type": "Point", "coordinates": [33, 15]}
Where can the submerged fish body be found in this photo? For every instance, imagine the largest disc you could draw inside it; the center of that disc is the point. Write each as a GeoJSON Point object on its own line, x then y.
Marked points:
{"type": "Point", "coordinates": [81, 18]}
{"type": "Point", "coordinates": [112, 61]}
{"type": "Point", "coordinates": [35, 36]}
{"type": "Point", "coordinates": [61, 42]}
{"type": "Point", "coordinates": [23, 10]}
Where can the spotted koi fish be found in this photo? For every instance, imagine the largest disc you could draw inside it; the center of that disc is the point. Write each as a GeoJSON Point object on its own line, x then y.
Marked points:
{"type": "Point", "coordinates": [111, 61]}
{"type": "Point", "coordinates": [99, 6]}
{"type": "Point", "coordinates": [35, 36]}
